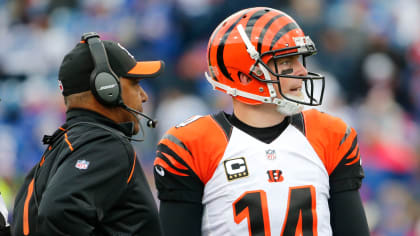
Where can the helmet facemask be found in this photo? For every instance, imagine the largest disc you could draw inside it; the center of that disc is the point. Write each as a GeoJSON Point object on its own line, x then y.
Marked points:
{"type": "Point", "coordinates": [313, 83]}
{"type": "Point", "coordinates": [287, 104]}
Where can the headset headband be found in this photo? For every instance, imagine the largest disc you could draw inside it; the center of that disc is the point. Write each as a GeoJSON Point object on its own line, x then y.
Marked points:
{"type": "Point", "coordinates": [104, 83]}
{"type": "Point", "coordinates": [97, 50]}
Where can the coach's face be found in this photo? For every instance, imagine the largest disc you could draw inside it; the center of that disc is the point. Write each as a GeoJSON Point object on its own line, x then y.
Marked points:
{"type": "Point", "coordinates": [133, 96]}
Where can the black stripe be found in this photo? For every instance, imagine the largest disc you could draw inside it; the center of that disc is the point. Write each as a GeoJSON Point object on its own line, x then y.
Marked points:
{"type": "Point", "coordinates": [163, 148]}
{"type": "Point", "coordinates": [298, 122]}
{"type": "Point", "coordinates": [355, 156]}
{"type": "Point", "coordinates": [161, 156]}
{"type": "Point", "coordinates": [251, 22]}
{"type": "Point", "coordinates": [221, 48]}
{"type": "Point", "coordinates": [286, 29]}
{"type": "Point", "coordinates": [353, 146]}
{"type": "Point", "coordinates": [211, 43]}
{"type": "Point", "coordinates": [221, 119]}
{"type": "Point", "coordinates": [264, 31]}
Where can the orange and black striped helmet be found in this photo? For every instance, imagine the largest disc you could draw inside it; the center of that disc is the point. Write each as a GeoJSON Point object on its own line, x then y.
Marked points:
{"type": "Point", "coordinates": [245, 42]}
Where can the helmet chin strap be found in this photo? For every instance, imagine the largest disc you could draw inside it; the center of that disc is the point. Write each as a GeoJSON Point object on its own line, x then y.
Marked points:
{"type": "Point", "coordinates": [288, 108]}
{"type": "Point", "coordinates": [284, 106]}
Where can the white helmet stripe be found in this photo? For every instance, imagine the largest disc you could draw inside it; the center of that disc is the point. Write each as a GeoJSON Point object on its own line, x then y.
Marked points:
{"type": "Point", "coordinates": [249, 47]}
{"type": "Point", "coordinates": [255, 55]}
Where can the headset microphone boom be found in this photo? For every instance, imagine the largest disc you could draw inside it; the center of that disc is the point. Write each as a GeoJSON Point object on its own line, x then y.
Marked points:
{"type": "Point", "coordinates": [150, 122]}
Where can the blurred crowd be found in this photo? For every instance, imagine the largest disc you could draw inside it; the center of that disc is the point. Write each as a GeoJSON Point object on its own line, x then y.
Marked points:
{"type": "Point", "coordinates": [369, 51]}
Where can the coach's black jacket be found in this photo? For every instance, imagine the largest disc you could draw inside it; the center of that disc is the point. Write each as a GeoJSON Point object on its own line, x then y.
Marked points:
{"type": "Point", "coordinates": [88, 182]}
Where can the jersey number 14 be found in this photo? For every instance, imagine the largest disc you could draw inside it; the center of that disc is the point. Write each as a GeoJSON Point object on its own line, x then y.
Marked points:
{"type": "Point", "coordinates": [300, 217]}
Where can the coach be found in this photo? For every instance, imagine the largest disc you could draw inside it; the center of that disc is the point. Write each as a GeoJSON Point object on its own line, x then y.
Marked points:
{"type": "Point", "coordinates": [89, 181]}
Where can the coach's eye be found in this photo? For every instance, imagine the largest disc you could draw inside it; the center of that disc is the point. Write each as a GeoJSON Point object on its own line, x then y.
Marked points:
{"type": "Point", "coordinates": [136, 82]}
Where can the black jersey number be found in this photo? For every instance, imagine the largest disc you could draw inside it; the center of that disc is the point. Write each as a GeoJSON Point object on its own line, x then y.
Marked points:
{"type": "Point", "coordinates": [301, 218]}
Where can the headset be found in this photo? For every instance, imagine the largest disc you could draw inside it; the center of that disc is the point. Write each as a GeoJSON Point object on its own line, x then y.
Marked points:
{"type": "Point", "coordinates": [104, 83]}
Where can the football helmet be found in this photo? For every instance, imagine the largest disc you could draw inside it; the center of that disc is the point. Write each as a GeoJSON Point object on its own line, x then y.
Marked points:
{"type": "Point", "coordinates": [245, 42]}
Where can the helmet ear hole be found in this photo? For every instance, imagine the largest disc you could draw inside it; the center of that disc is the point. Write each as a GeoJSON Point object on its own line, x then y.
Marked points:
{"type": "Point", "coordinates": [243, 78]}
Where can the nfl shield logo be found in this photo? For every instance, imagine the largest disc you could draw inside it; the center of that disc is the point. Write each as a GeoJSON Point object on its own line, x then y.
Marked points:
{"type": "Point", "coordinates": [60, 86]}
{"type": "Point", "coordinates": [82, 164]}
{"type": "Point", "coordinates": [270, 154]}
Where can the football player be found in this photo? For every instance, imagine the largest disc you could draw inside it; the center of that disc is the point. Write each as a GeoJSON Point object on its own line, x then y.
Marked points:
{"type": "Point", "coordinates": [269, 168]}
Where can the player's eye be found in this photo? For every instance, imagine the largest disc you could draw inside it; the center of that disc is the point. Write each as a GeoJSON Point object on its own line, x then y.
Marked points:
{"type": "Point", "coordinates": [285, 62]}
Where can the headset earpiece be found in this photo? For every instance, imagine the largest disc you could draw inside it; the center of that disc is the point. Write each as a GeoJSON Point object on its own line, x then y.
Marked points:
{"type": "Point", "coordinates": [104, 83]}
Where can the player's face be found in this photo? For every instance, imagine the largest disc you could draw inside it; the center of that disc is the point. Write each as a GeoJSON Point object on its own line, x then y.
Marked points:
{"type": "Point", "coordinates": [289, 66]}
{"type": "Point", "coordinates": [133, 96]}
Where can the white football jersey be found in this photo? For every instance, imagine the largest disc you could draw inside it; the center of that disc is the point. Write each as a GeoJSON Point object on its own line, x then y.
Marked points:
{"type": "Point", "coordinates": [249, 187]}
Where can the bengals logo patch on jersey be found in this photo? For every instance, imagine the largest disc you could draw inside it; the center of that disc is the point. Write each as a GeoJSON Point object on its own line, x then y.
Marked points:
{"type": "Point", "coordinates": [236, 168]}
{"type": "Point", "coordinates": [275, 176]}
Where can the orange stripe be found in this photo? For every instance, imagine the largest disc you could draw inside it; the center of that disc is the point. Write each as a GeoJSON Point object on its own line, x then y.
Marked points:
{"type": "Point", "coordinates": [132, 169]}
{"type": "Point", "coordinates": [67, 141]}
{"type": "Point", "coordinates": [159, 161]}
{"type": "Point", "coordinates": [299, 224]}
{"type": "Point", "coordinates": [266, 218]}
{"type": "Point", "coordinates": [42, 161]}
{"type": "Point", "coordinates": [61, 128]}
{"type": "Point", "coordinates": [174, 162]}
{"type": "Point", "coordinates": [26, 208]}
{"type": "Point", "coordinates": [314, 214]}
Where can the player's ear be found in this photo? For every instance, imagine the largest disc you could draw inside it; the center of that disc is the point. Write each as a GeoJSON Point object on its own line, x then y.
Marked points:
{"type": "Point", "coordinates": [243, 78]}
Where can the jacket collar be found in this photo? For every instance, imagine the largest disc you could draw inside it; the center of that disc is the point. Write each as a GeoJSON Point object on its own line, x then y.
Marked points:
{"type": "Point", "coordinates": [77, 114]}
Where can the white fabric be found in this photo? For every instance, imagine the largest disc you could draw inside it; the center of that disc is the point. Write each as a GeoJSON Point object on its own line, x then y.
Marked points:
{"type": "Point", "coordinates": [3, 210]}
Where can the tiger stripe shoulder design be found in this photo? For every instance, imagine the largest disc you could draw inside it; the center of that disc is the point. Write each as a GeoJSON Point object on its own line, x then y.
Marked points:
{"type": "Point", "coordinates": [192, 149]}
{"type": "Point", "coordinates": [334, 141]}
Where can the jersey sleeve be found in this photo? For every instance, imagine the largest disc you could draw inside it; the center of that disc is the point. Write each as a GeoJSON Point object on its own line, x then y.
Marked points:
{"type": "Point", "coordinates": [336, 144]}
{"type": "Point", "coordinates": [175, 179]}
{"type": "Point", "coordinates": [186, 157]}
{"type": "Point", "coordinates": [348, 173]}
